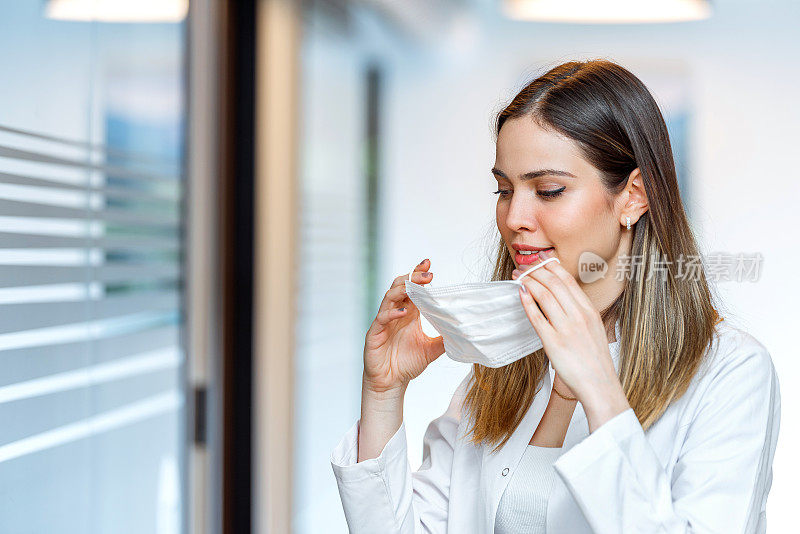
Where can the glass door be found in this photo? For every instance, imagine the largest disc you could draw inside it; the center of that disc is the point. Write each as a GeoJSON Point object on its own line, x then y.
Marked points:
{"type": "Point", "coordinates": [92, 382]}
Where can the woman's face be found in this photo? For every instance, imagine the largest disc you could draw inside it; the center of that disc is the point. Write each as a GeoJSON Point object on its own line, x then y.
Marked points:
{"type": "Point", "coordinates": [561, 203]}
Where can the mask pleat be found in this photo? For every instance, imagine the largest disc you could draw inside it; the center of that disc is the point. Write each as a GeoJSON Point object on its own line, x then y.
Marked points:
{"type": "Point", "coordinates": [480, 322]}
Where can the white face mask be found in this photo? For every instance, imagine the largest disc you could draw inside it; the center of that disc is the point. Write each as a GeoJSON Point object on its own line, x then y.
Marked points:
{"type": "Point", "coordinates": [480, 322]}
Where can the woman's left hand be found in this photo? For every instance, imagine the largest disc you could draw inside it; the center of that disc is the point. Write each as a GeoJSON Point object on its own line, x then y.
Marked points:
{"type": "Point", "coordinates": [573, 335]}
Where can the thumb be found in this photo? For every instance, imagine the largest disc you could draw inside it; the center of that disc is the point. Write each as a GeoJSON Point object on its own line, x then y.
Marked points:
{"type": "Point", "coordinates": [435, 348]}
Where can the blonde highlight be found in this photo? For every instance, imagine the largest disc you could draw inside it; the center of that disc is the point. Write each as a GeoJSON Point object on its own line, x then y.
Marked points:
{"type": "Point", "coordinates": [666, 323]}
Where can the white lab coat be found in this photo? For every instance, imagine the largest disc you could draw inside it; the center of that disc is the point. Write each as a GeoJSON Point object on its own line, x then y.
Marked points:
{"type": "Point", "coordinates": [704, 467]}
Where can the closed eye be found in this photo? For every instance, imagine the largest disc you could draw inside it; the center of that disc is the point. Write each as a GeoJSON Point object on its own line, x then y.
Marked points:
{"type": "Point", "coordinates": [547, 194]}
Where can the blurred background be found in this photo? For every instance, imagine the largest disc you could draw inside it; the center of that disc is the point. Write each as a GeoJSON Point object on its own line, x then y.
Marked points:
{"type": "Point", "coordinates": [203, 202]}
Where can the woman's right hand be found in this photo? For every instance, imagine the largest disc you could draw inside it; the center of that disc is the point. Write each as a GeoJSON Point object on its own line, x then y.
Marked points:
{"type": "Point", "coordinates": [396, 350]}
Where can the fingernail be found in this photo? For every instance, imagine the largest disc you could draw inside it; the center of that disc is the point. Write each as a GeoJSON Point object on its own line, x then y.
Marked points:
{"type": "Point", "coordinates": [516, 272]}
{"type": "Point", "coordinates": [423, 261]}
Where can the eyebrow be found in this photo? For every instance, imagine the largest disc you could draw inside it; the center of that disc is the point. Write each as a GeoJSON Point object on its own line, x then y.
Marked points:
{"type": "Point", "coordinates": [534, 174]}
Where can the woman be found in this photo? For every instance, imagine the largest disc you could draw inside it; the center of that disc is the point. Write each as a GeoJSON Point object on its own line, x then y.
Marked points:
{"type": "Point", "coordinates": [664, 419]}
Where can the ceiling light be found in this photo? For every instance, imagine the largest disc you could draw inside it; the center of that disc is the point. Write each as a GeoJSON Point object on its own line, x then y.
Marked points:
{"type": "Point", "coordinates": [118, 10]}
{"type": "Point", "coordinates": [607, 11]}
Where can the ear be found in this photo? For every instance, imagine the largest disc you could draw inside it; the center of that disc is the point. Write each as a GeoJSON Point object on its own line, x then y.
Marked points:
{"type": "Point", "coordinates": [635, 203]}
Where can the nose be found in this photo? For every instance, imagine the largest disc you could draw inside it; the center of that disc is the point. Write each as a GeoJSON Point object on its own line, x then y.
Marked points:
{"type": "Point", "coordinates": [521, 215]}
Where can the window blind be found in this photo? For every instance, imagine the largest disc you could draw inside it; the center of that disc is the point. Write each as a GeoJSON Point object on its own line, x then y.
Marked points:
{"type": "Point", "coordinates": [90, 324]}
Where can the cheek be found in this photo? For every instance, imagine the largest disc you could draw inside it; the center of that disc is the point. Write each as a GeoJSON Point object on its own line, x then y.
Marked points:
{"type": "Point", "coordinates": [562, 224]}
{"type": "Point", "coordinates": [581, 216]}
{"type": "Point", "coordinates": [575, 227]}
{"type": "Point", "coordinates": [500, 216]}
{"type": "Point", "coordinates": [586, 228]}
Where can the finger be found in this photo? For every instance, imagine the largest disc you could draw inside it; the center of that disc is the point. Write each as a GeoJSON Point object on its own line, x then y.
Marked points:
{"type": "Point", "coordinates": [559, 290]}
{"type": "Point", "coordinates": [545, 299]}
{"type": "Point", "coordinates": [419, 277]}
{"type": "Point", "coordinates": [434, 349]}
{"type": "Point", "coordinates": [423, 266]}
{"type": "Point", "coordinates": [388, 315]}
{"type": "Point", "coordinates": [571, 284]}
{"type": "Point", "coordinates": [396, 295]}
{"type": "Point", "coordinates": [535, 316]}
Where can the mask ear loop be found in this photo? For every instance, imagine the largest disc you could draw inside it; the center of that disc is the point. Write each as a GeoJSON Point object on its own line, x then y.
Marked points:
{"type": "Point", "coordinates": [545, 262]}
{"type": "Point", "coordinates": [542, 264]}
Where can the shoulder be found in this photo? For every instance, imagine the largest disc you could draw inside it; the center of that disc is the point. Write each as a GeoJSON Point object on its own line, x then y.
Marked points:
{"type": "Point", "coordinates": [732, 347]}
{"type": "Point", "coordinates": [736, 406]}
{"type": "Point", "coordinates": [454, 410]}
{"type": "Point", "coordinates": [735, 359]}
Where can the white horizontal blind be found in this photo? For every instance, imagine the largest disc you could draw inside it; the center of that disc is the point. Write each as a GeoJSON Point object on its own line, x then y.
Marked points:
{"type": "Point", "coordinates": [91, 388]}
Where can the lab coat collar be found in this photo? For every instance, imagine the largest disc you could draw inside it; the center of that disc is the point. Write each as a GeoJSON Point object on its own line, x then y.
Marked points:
{"type": "Point", "coordinates": [493, 464]}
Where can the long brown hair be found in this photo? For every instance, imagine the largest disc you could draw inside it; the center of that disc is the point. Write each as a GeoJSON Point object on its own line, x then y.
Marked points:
{"type": "Point", "coordinates": [666, 321]}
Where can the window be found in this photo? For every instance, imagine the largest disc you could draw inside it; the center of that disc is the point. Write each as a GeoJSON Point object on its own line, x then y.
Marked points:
{"type": "Point", "coordinates": [91, 277]}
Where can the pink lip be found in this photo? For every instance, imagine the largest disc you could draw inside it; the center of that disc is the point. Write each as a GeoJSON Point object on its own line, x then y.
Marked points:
{"type": "Point", "coordinates": [530, 259]}
{"type": "Point", "coordinates": [519, 246]}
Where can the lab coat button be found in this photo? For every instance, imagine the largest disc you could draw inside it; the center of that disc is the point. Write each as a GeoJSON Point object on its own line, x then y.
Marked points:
{"type": "Point", "coordinates": [505, 471]}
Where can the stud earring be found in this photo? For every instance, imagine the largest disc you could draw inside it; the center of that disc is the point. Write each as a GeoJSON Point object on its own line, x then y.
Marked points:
{"type": "Point", "coordinates": [627, 222]}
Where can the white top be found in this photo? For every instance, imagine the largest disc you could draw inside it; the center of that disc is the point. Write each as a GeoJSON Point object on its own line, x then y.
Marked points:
{"type": "Point", "coordinates": [523, 506]}
{"type": "Point", "coordinates": [705, 464]}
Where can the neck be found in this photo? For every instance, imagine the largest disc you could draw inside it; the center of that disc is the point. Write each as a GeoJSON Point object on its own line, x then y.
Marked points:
{"type": "Point", "coordinates": [612, 334]}
{"type": "Point", "coordinates": [562, 388]}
